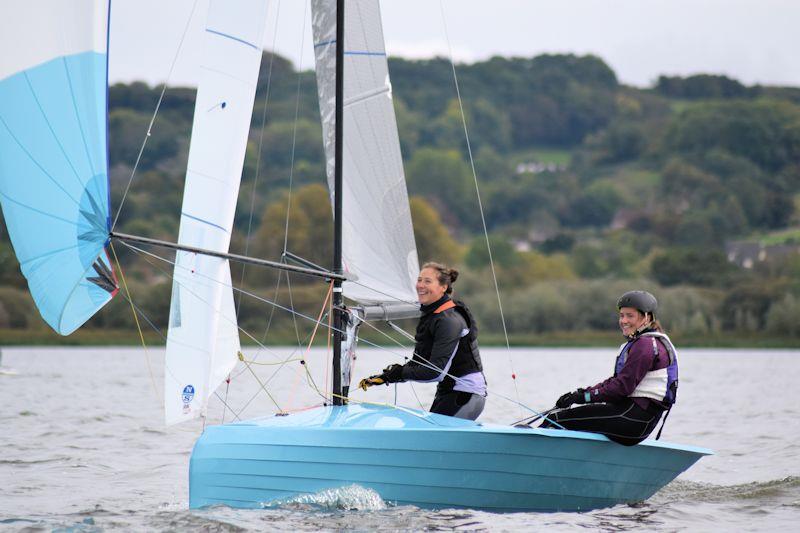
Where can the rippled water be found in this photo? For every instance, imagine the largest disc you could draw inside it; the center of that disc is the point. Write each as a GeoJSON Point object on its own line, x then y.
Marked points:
{"type": "Point", "coordinates": [84, 448]}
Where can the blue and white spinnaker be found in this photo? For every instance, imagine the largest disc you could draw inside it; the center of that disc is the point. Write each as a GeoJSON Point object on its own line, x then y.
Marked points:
{"type": "Point", "coordinates": [54, 187]}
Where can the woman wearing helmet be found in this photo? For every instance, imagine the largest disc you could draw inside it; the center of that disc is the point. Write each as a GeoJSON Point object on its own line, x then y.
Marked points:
{"type": "Point", "coordinates": [627, 406]}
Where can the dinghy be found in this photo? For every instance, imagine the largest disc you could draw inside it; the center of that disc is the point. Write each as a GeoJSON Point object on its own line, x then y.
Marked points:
{"type": "Point", "coordinates": [427, 460]}
{"type": "Point", "coordinates": [55, 197]}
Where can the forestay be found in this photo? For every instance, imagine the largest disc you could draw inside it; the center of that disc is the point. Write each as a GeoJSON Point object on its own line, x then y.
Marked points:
{"type": "Point", "coordinates": [53, 153]}
{"type": "Point", "coordinates": [203, 338]}
{"type": "Point", "coordinates": [378, 248]}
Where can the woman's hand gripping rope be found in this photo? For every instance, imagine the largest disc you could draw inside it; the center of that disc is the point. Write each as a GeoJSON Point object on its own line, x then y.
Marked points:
{"type": "Point", "coordinates": [391, 374]}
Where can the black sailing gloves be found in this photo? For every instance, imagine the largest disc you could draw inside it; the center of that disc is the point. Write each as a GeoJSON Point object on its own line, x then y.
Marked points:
{"type": "Point", "coordinates": [391, 374]}
{"type": "Point", "coordinates": [578, 396]}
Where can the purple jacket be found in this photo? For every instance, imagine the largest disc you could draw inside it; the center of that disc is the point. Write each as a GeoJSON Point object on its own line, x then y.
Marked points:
{"type": "Point", "coordinates": [638, 363]}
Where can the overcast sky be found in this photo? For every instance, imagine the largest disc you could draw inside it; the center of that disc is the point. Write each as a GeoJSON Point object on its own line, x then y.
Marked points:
{"type": "Point", "coordinates": [754, 41]}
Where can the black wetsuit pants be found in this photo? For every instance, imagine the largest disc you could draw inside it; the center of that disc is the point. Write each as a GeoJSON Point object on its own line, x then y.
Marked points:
{"type": "Point", "coordinates": [459, 404]}
{"type": "Point", "coordinates": [623, 422]}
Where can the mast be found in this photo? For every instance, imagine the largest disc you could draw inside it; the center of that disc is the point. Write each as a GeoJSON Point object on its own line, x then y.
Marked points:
{"type": "Point", "coordinates": [337, 209]}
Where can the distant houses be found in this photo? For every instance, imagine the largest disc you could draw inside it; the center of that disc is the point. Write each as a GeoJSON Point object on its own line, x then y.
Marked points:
{"type": "Point", "coordinates": [536, 167]}
{"type": "Point", "coordinates": [747, 254]}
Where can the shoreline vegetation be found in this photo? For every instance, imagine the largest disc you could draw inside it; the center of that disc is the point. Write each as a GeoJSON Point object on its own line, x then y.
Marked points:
{"type": "Point", "coordinates": [555, 339]}
{"type": "Point", "coordinates": [689, 189]}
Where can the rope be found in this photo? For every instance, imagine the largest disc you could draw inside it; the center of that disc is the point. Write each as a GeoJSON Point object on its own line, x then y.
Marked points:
{"type": "Point", "coordinates": [253, 362]}
{"type": "Point", "coordinates": [154, 328]}
{"type": "Point", "coordinates": [400, 330]}
{"type": "Point", "coordinates": [294, 137]}
{"type": "Point", "coordinates": [153, 118]}
{"type": "Point", "coordinates": [216, 311]}
{"type": "Point", "coordinates": [311, 340]}
{"type": "Point", "coordinates": [328, 349]}
{"type": "Point", "coordinates": [138, 326]}
{"type": "Point", "coordinates": [480, 203]}
{"type": "Point", "coordinates": [240, 355]}
{"type": "Point", "coordinates": [423, 416]}
{"type": "Point", "coordinates": [253, 192]}
{"type": "Point", "coordinates": [528, 420]}
{"type": "Point", "coordinates": [422, 362]}
{"type": "Point", "coordinates": [291, 306]}
{"type": "Point", "coordinates": [291, 170]}
{"type": "Point", "coordinates": [263, 387]}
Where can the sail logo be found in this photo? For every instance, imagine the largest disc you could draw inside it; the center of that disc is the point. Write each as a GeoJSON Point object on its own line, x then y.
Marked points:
{"type": "Point", "coordinates": [187, 396]}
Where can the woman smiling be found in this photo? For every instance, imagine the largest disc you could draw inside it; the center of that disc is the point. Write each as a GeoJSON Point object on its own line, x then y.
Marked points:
{"type": "Point", "coordinates": [446, 349]}
{"type": "Point", "coordinates": [627, 406]}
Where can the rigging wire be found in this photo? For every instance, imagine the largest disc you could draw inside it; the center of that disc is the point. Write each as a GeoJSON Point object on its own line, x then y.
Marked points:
{"type": "Point", "coordinates": [136, 319]}
{"type": "Point", "coordinates": [289, 196]}
{"type": "Point", "coordinates": [138, 310]}
{"type": "Point", "coordinates": [291, 166]}
{"type": "Point", "coordinates": [255, 178]}
{"type": "Point", "coordinates": [155, 113]}
{"type": "Point", "coordinates": [313, 335]}
{"type": "Point", "coordinates": [309, 377]}
{"type": "Point", "coordinates": [260, 147]}
{"type": "Point", "coordinates": [245, 332]}
{"type": "Point", "coordinates": [419, 360]}
{"type": "Point", "coordinates": [478, 194]}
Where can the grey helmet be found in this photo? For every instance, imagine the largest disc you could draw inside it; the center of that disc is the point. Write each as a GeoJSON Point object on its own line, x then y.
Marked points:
{"type": "Point", "coordinates": [641, 300]}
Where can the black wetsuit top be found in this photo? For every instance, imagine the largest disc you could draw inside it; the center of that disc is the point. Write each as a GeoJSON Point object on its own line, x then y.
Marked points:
{"type": "Point", "coordinates": [439, 340]}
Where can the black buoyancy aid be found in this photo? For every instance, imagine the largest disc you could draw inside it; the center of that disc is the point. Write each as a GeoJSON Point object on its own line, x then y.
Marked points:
{"type": "Point", "coordinates": [467, 358]}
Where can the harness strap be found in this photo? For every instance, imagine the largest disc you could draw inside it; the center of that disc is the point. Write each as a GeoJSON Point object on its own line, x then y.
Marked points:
{"type": "Point", "coordinates": [663, 421]}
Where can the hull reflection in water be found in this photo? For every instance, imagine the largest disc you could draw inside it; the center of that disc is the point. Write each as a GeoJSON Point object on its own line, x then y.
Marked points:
{"type": "Point", "coordinates": [427, 460]}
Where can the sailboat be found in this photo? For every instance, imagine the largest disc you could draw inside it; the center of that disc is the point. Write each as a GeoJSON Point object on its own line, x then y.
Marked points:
{"type": "Point", "coordinates": [55, 197]}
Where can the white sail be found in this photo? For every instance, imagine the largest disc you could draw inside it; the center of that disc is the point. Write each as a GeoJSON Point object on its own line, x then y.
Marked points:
{"type": "Point", "coordinates": [203, 338]}
{"type": "Point", "coordinates": [378, 247]}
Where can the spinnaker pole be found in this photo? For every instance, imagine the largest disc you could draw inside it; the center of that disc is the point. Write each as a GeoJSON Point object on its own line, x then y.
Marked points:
{"type": "Point", "coordinates": [310, 271]}
{"type": "Point", "coordinates": [338, 397]}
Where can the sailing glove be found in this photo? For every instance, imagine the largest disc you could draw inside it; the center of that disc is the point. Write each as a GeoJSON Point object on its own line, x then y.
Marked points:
{"type": "Point", "coordinates": [366, 383]}
{"type": "Point", "coordinates": [578, 396]}
{"type": "Point", "coordinates": [393, 373]}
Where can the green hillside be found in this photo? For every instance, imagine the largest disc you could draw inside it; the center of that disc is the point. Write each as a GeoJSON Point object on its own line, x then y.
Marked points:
{"type": "Point", "coordinates": [590, 188]}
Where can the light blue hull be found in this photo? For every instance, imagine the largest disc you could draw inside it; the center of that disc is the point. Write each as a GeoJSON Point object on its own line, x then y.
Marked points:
{"type": "Point", "coordinates": [430, 461]}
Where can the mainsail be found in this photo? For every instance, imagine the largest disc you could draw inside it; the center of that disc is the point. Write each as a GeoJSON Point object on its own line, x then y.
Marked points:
{"type": "Point", "coordinates": [378, 248]}
{"type": "Point", "coordinates": [53, 153]}
{"type": "Point", "coordinates": [203, 338]}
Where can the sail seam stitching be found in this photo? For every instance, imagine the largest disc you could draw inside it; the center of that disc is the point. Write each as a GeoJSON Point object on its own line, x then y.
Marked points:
{"type": "Point", "coordinates": [35, 162]}
{"type": "Point", "coordinates": [77, 115]}
{"type": "Point", "coordinates": [50, 127]}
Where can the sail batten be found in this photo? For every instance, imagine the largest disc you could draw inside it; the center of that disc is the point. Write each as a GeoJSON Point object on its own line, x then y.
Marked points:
{"type": "Point", "coordinates": [203, 336]}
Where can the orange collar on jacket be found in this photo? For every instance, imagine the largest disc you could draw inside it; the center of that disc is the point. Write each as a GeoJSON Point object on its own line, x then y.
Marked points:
{"type": "Point", "coordinates": [449, 304]}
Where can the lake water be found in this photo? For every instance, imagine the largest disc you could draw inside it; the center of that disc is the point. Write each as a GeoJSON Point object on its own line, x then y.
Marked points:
{"type": "Point", "coordinates": [84, 447]}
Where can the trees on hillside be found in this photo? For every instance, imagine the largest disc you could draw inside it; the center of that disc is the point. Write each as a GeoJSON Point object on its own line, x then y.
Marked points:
{"type": "Point", "coordinates": [605, 182]}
